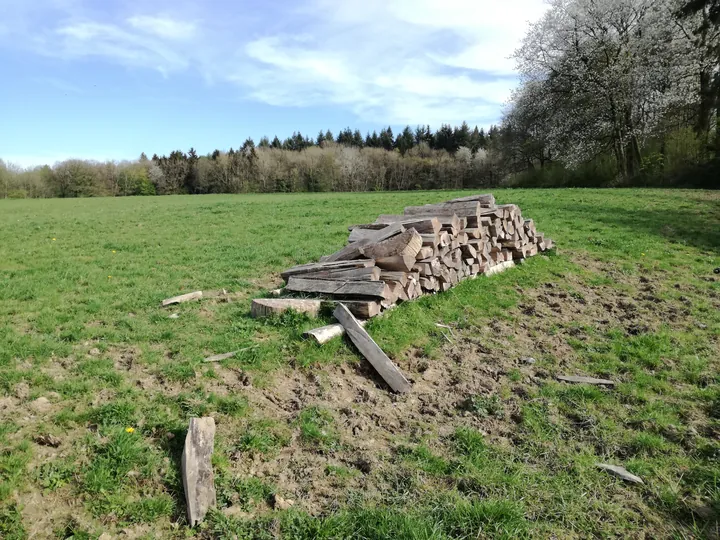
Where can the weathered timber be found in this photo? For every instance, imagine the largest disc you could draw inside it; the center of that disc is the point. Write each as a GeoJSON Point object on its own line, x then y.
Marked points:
{"type": "Point", "coordinates": [423, 225]}
{"type": "Point", "coordinates": [376, 289]}
{"type": "Point", "coordinates": [400, 263]}
{"type": "Point", "coordinates": [388, 275]}
{"type": "Point", "coordinates": [425, 252]}
{"type": "Point", "coordinates": [375, 226]}
{"type": "Point", "coordinates": [460, 209]}
{"type": "Point", "coordinates": [482, 198]}
{"type": "Point", "coordinates": [326, 267]}
{"type": "Point", "coordinates": [620, 472]}
{"type": "Point", "coordinates": [407, 243]}
{"type": "Point", "coordinates": [500, 267]}
{"type": "Point", "coordinates": [266, 307]}
{"type": "Point", "coordinates": [323, 334]}
{"type": "Point", "coordinates": [352, 251]}
{"type": "Point", "coordinates": [369, 273]}
{"type": "Point", "coordinates": [197, 295]}
{"type": "Point", "coordinates": [430, 240]}
{"type": "Point", "coordinates": [370, 350]}
{"type": "Point", "coordinates": [197, 472]}
{"type": "Point", "coordinates": [585, 380]}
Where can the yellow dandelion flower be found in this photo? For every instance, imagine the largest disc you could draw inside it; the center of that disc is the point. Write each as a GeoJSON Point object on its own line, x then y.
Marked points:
{"type": "Point", "coordinates": [642, 254]}
{"type": "Point", "coordinates": [114, 251]}
{"type": "Point", "coordinates": [54, 239]}
{"type": "Point", "coordinates": [129, 430]}
{"type": "Point", "coordinates": [109, 277]}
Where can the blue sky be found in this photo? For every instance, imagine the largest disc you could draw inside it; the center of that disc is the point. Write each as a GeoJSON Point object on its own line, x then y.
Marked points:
{"type": "Point", "coordinates": [108, 79]}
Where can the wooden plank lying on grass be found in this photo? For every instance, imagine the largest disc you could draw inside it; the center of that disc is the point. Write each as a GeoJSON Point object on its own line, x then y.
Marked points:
{"type": "Point", "coordinates": [324, 334]}
{"type": "Point", "coordinates": [585, 380]}
{"type": "Point", "coordinates": [265, 307]}
{"type": "Point", "coordinates": [621, 472]}
{"type": "Point", "coordinates": [370, 350]}
{"type": "Point", "coordinates": [197, 295]}
{"type": "Point", "coordinates": [500, 267]}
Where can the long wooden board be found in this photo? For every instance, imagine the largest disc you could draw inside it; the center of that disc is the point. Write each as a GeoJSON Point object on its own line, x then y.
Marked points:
{"type": "Point", "coordinates": [326, 267]}
{"type": "Point", "coordinates": [407, 243]}
{"type": "Point", "coordinates": [370, 350]}
{"type": "Point", "coordinates": [352, 251]}
{"type": "Point", "coordinates": [376, 289]}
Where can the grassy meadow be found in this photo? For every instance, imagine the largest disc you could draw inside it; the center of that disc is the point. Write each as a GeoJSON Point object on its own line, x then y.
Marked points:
{"type": "Point", "coordinates": [97, 382]}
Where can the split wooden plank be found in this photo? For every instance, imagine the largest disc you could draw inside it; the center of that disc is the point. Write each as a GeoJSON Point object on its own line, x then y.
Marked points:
{"type": "Point", "coordinates": [265, 307]}
{"type": "Point", "coordinates": [500, 267]}
{"type": "Point", "coordinates": [482, 198]}
{"type": "Point", "coordinates": [407, 243]}
{"type": "Point", "coordinates": [621, 472]}
{"type": "Point", "coordinates": [323, 334]}
{"type": "Point", "coordinates": [197, 472]}
{"type": "Point", "coordinates": [197, 295]}
{"type": "Point", "coordinates": [460, 209]}
{"type": "Point", "coordinates": [422, 225]}
{"type": "Point", "coordinates": [585, 380]}
{"type": "Point", "coordinates": [352, 251]}
{"type": "Point", "coordinates": [398, 263]}
{"type": "Point", "coordinates": [339, 287]}
{"type": "Point", "coordinates": [369, 273]}
{"type": "Point", "coordinates": [370, 350]}
{"type": "Point", "coordinates": [326, 267]}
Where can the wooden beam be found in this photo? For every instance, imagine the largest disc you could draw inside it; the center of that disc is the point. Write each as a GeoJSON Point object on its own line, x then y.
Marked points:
{"type": "Point", "coordinates": [352, 251]}
{"type": "Point", "coordinates": [370, 350]}
{"type": "Point", "coordinates": [376, 289]}
{"type": "Point", "coordinates": [197, 295]}
{"type": "Point", "coordinates": [402, 264]}
{"type": "Point", "coordinates": [326, 267]}
{"type": "Point", "coordinates": [407, 243]}
{"type": "Point", "coordinates": [266, 307]}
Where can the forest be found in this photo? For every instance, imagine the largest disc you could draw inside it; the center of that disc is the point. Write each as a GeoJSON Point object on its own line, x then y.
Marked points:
{"type": "Point", "coordinates": [612, 93]}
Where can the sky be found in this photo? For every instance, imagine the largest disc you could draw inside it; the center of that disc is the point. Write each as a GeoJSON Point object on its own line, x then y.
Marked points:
{"type": "Point", "coordinates": [109, 79]}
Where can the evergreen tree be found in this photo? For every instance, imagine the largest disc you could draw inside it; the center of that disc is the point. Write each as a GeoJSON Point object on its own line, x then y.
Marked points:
{"type": "Point", "coordinates": [276, 142]}
{"type": "Point", "coordinates": [405, 140]}
{"type": "Point", "coordinates": [461, 137]}
{"type": "Point", "coordinates": [264, 142]}
{"type": "Point", "coordinates": [320, 138]}
{"type": "Point", "coordinates": [386, 138]}
{"type": "Point", "coordinates": [357, 139]}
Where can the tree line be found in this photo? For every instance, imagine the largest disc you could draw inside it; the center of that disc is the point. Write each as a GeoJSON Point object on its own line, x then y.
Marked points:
{"type": "Point", "coordinates": [612, 93]}
{"type": "Point", "coordinates": [451, 157]}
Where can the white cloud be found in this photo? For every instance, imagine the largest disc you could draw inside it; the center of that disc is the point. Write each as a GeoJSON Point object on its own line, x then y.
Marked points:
{"type": "Point", "coordinates": [387, 61]}
{"type": "Point", "coordinates": [163, 27]}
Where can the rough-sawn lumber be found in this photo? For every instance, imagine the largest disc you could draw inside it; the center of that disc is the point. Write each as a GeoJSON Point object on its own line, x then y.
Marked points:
{"type": "Point", "coordinates": [370, 350]}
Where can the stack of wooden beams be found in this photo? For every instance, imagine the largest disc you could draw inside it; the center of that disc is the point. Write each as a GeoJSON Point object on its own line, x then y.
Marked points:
{"type": "Point", "coordinates": [428, 249]}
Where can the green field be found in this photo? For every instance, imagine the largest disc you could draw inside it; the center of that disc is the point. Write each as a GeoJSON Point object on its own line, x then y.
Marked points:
{"type": "Point", "coordinates": [487, 444]}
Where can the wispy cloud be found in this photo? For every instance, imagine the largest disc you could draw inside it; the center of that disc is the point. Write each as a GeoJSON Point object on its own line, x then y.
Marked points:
{"type": "Point", "coordinates": [389, 61]}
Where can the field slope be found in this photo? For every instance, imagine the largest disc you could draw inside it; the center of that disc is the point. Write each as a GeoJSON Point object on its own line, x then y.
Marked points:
{"type": "Point", "coordinates": [97, 382]}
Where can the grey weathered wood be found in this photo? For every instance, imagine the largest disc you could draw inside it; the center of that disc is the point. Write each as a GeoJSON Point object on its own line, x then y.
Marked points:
{"type": "Point", "coordinates": [500, 267]}
{"type": "Point", "coordinates": [621, 472]}
{"type": "Point", "coordinates": [338, 287]}
{"type": "Point", "coordinates": [370, 350]}
{"type": "Point", "coordinates": [585, 380]}
{"type": "Point", "coordinates": [197, 471]}
{"type": "Point", "coordinates": [265, 307]}
{"type": "Point", "coordinates": [402, 264]}
{"type": "Point", "coordinates": [460, 209]}
{"type": "Point", "coordinates": [220, 357]}
{"type": "Point", "coordinates": [389, 275]}
{"type": "Point", "coordinates": [352, 251]}
{"type": "Point", "coordinates": [369, 273]}
{"type": "Point", "coordinates": [326, 266]}
{"type": "Point", "coordinates": [324, 334]}
{"type": "Point", "coordinates": [407, 243]}
{"type": "Point", "coordinates": [197, 295]}
{"type": "Point", "coordinates": [482, 198]}
{"type": "Point", "coordinates": [423, 225]}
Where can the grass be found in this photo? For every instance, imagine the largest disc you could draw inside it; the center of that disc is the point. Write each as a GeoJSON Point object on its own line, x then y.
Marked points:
{"type": "Point", "coordinates": [498, 449]}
